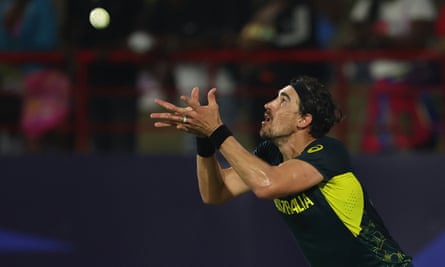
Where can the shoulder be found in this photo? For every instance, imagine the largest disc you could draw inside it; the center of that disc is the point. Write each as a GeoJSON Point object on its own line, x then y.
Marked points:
{"type": "Point", "coordinates": [328, 155]}
{"type": "Point", "coordinates": [325, 145]}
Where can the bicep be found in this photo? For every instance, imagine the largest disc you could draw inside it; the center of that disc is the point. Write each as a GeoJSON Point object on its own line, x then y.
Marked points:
{"type": "Point", "coordinates": [293, 176]}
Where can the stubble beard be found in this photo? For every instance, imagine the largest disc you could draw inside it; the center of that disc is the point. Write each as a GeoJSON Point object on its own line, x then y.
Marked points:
{"type": "Point", "coordinates": [264, 132]}
{"type": "Point", "coordinates": [268, 132]}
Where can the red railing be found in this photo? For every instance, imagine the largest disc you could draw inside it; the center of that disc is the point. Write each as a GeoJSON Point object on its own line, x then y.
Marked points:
{"type": "Point", "coordinates": [81, 59]}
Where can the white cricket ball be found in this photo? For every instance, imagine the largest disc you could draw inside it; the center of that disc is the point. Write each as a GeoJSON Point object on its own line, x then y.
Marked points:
{"type": "Point", "coordinates": [99, 18]}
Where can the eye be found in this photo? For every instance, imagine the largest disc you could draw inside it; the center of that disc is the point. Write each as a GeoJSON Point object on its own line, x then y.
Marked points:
{"type": "Point", "coordinates": [283, 100]}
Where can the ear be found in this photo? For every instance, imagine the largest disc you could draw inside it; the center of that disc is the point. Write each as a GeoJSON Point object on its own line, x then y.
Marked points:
{"type": "Point", "coordinates": [305, 121]}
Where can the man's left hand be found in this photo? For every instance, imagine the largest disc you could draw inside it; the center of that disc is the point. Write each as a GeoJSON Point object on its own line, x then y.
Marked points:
{"type": "Point", "coordinates": [195, 118]}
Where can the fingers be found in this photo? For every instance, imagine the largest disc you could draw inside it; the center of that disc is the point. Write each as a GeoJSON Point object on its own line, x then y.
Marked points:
{"type": "Point", "coordinates": [176, 117]}
{"type": "Point", "coordinates": [195, 94]}
{"type": "Point", "coordinates": [193, 102]}
{"type": "Point", "coordinates": [168, 118]}
{"type": "Point", "coordinates": [184, 118]}
{"type": "Point", "coordinates": [211, 98]}
{"type": "Point", "coordinates": [160, 124]}
{"type": "Point", "coordinates": [166, 124]}
{"type": "Point", "coordinates": [180, 126]}
{"type": "Point", "coordinates": [169, 106]}
{"type": "Point", "coordinates": [172, 121]}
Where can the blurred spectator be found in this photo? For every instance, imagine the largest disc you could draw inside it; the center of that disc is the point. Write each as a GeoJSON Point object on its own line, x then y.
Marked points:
{"type": "Point", "coordinates": [193, 25]}
{"type": "Point", "coordinates": [396, 118]}
{"type": "Point", "coordinates": [32, 25]}
{"type": "Point", "coordinates": [284, 24]}
{"type": "Point", "coordinates": [440, 29]}
{"type": "Point", "coordinates": [439, 46]}
{"type": "Point", "coordinates": [278, 24]}
{"type": "Point", "coordinates": [28, 25]}
{"type": "Point", "coordinates": [331, 20]}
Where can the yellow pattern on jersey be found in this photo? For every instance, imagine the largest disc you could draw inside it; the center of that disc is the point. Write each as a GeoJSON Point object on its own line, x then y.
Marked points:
{"type": "Point", "coordinates": [345, 195]}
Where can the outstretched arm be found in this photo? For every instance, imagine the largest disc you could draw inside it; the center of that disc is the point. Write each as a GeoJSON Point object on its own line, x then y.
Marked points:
{"type": "Point", "coordinates": [216, 185]}
{"type": "Point", "coordinates": [248, 171]}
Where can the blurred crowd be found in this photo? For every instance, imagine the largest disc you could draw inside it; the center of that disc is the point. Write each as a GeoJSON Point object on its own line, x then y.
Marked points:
{"type": "Point", "coordinates": [402, 110]}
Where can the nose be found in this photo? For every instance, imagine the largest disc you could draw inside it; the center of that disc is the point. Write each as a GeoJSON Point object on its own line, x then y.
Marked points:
{"type": "Point", "coordinates": [267, 105]}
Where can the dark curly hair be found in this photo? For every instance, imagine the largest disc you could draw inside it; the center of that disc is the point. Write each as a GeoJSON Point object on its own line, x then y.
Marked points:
{"type": "Point", "coordinates": [315, 99]}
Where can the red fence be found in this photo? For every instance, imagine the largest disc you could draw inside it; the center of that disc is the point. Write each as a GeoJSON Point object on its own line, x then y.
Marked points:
{"type": "Point", "coordinates": [79, 60]}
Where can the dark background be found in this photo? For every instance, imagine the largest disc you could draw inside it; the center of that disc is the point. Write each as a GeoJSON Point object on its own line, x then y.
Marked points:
{"type": "Point", "coordinates": [118, 210]}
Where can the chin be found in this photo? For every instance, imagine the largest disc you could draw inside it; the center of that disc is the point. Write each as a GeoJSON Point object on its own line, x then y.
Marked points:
{"type": "Point", "coordinates": [264, 135]}
{"type": "Point", "coordinates": [262, 132]}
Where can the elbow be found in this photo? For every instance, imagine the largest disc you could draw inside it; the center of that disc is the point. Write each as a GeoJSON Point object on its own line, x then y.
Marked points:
{"type": "Point", "coordinates": [264, 193]}
{"type": "Point", "coordinates": [208, 201]}
{"type": "Point", "coordinates": [211, 200]}
{"type": "Point", "coordinates": [264, 188]}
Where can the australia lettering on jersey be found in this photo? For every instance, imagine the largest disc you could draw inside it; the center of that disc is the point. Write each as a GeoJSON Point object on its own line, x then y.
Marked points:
{"type": "Point", "coordinates": [296, 205]}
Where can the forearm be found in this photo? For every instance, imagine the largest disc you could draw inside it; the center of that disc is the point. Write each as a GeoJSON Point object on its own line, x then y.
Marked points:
{"type": "Point", "coordinates": [254, 172]}
{"type": "Point", "coordinates": [210, 179]}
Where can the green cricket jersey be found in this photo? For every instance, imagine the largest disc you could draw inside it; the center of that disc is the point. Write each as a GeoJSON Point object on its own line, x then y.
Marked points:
{"type": "Point", "coordinates": [334, 222]}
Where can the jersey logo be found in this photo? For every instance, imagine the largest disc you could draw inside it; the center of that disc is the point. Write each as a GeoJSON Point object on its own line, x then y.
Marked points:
{"type": "Point", "coordinates": [295, 205]}
{"type": "Point", "coordinates": [315, 149]}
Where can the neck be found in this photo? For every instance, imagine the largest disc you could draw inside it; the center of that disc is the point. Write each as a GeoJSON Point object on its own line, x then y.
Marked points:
{"type": "Point", "coordinates": [294, 145]}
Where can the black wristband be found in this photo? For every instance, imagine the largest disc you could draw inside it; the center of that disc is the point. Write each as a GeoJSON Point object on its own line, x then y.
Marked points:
{"type": "Point", "coordinates": [204, 147]}
{"type": "Point", "coordinates": [219, 136]}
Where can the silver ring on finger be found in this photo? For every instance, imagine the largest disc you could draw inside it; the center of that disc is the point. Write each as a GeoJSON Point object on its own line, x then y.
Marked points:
{"type": "Point", "coordinates": [184, 119]}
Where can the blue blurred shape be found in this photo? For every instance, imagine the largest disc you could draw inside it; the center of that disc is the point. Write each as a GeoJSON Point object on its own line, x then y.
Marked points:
{"type": "Point", "coordinates": [432, 254]}
{"type": "Point", "coordinates": [18, 242]}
